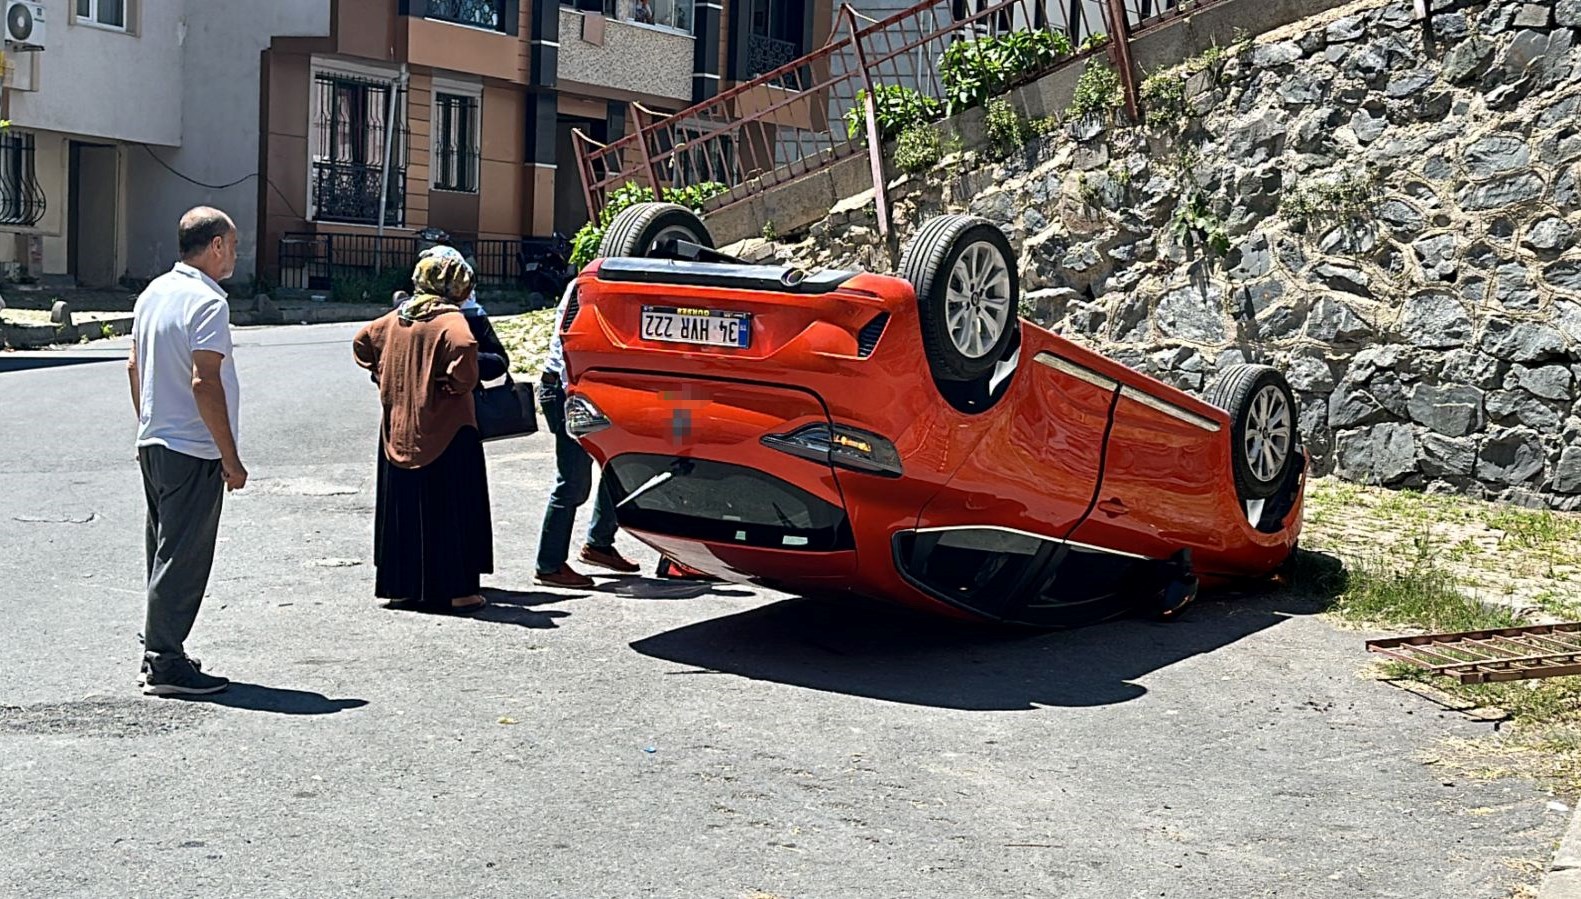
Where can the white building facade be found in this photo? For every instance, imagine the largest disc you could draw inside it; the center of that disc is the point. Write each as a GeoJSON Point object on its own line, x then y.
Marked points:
{"type": "Point", "coordinates": [132, 112]}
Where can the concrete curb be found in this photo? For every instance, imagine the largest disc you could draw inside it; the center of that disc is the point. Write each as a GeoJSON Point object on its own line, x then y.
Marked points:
{"type": "Point", "coordinates": [1563, 880]}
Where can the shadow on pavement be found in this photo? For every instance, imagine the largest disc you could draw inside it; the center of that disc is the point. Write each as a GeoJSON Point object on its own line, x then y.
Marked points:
{"type": "Point", "coordinates": [667, 588]}
{"type": "Point", "coordinates": [257, 698]}
{"type": "Point", "coordinates": [524, 599]}
{"type": "Point", "coordinates": [864, 649]}
{"type": "Point", "coordinates": [10, 362]}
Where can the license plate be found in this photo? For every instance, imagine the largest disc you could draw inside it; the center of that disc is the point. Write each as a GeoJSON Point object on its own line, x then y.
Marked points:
{"type": "Point", "coordinates": [707, 327]}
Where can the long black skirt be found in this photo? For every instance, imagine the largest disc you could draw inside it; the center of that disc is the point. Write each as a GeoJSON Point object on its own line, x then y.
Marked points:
{"type": "Point", "coordinates": [432, 534]}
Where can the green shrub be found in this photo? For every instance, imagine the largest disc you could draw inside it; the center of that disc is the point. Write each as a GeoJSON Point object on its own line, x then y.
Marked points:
{"type": "Point", "coordinates": [897, 107]}
{"type": "Point", "coordinates": [584, 246]}
{"type": "Point", "coordinates": [1163, 97]}
{"type": "Point", "coordinates": [1098, 91]}
{"type": "Point", "coordinates": [974, 71]}
{"type": "Point", "coordinates": [919, 148]}
{"type": "Point", "coordinates": [366, 286]}
{"type": "Point", "coordinates": [1008, 131]}
{"type": "Point", "coordinates": [1094, 41]}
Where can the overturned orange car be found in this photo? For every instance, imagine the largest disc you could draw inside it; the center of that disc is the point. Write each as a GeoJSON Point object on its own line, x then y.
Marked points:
{"type": "Point", "coordinates": [910, 438]}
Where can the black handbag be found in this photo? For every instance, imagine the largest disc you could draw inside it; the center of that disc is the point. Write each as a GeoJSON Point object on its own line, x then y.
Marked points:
{"type": "Point", "coordinates": [505, 410]}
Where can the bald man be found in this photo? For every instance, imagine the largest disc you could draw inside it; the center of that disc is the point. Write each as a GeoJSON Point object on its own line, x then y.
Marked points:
{"type": "Point", "coordinates": [186, 396]}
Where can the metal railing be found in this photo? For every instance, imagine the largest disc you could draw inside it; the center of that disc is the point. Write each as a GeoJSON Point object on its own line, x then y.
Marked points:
{"type": "Point", "coordinates": [349, 192]}
{"type": "Point", "coordinates": [813, 111]}
{"type": "Point", "coordinates": [313, 261]}
{"type": "Point", "coordinates": [477, 13]}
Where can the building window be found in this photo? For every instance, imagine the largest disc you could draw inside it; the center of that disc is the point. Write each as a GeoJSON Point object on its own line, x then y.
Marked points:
{"type": "Point", "coordinates": [350, 122]}
{"type": "Point", "coordinates": [676, 14]}
{"type": "Point", "coordinates": [456, 142]}
{"type": "Point", "coordinates": [109, 13]}
{"type": "Point", "coordinates": [21, 198]}
{"type": "Point", "coordinates": [489, 14]}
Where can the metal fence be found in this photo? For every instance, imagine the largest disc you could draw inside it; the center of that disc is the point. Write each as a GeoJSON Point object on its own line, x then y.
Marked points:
{"type": "Point", "coordinates": [813, 111]}
{"type": "Point", "coordinates": [311, 261]}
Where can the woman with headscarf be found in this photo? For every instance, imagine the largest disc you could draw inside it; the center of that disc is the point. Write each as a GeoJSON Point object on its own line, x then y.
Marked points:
{"type": "Point", "coordinates": [433, 535]}
{"type": "Point", "coordinates": [493, 361]}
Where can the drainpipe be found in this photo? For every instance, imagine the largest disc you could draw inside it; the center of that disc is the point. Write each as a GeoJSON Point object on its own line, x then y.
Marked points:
{"type": "Point", "coordinates": [384, 166]}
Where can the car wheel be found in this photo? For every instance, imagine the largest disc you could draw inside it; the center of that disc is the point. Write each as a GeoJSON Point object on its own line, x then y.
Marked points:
{"type": "Point", "coordinates": [968, 294]}
{"type": "Point", "coordinates": [1264, 442]}
{"type": "Point", "coordinates": [641, 229]}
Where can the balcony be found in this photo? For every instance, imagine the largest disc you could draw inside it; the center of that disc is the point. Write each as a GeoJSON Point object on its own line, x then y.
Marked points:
{"type": "Point", "coordinates": [489, 15]}
{"type": "Point", "coordinates": [348, 192]}
{"type": "Point", "coordinates": [636, 57]}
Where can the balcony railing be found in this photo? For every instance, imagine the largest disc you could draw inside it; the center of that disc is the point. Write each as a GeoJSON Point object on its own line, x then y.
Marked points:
{"type": "Point", "coordinates": [477, 13]}
{"type": "Point", "coordinates": [765, 54]}
{"type": "Point", "coordinates": [349, 192]}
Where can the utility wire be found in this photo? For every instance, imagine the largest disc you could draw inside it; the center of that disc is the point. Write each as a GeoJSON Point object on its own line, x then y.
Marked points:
{"type": "Point", "coordinates": [190, 180]}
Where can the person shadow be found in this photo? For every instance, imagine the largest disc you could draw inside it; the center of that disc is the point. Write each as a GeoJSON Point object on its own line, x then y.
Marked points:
{"type": "Point", "coordinates": [870, 650]}
{"type": "Point", "coordinates": [275, 700]}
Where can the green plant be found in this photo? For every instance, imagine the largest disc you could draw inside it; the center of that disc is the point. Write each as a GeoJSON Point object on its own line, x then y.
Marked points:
{"type": "Point", "coordinates": [919, 148]}
{"type": "Point", "coordinates": [106, 331]}
{"type": "Point", "coordinates": [584, 246]}
{"type": "Point", "coordinates": [1347, 199]}
{"type": "Point", "coordinates": [1094, 41]}
{"type": "Point", "coordinates": [896, 106]}
{"type": "Point", "coordinates": [1163, 96]}
{"type": "Point", "coordinates": [1097, 92]}
{"type": "Point", "coordinates": [1008, 130]}
{"type": "Point", "coordinates": [973, 71]}
{"type": "Point", "coordinates": [769, 233]}
{"type": "Point", "coordinates": [1195, 225]}
{"type": "Point", "coordinates": [367, 286]}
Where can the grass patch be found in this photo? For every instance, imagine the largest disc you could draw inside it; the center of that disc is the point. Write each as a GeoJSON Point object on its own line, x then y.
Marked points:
{"type": "Point", "coordinates": [526, 338]}
{"type": "Point", "coordinates": [1421, 595]}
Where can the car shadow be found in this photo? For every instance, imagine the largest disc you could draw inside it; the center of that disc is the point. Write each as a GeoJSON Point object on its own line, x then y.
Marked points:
{"type": "Point", "coordinates": [670, 588]}
{"type": "Point", "coordinates": [276, 700]}
{"type": "Point", "coordinates": [13, 362]}
{"type": "Point", "coordinates": [874, 651]}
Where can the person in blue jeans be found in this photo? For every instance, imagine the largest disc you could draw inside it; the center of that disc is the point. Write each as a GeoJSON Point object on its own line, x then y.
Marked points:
{"type": "Point", "coordinates": [573, 486]}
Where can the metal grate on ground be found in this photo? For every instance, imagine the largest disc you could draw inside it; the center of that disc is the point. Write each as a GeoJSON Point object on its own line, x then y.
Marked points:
{"type": "Point", "coordinates": [1479, 657]}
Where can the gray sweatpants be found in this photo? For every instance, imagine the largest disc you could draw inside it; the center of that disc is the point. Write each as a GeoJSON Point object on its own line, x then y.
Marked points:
{"type": "Point", "coordinates": [184, 498]}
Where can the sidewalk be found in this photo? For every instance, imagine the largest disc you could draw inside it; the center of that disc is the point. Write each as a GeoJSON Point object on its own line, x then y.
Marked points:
{"type": "Point", "coordinates": [29, 328]}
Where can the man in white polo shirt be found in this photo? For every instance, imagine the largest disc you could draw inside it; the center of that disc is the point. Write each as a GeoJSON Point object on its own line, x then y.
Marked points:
{"type": "Point", "coordinates": [185, 392]}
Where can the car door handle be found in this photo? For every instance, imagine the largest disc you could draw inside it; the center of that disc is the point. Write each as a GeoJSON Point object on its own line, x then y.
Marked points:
{"type": "Point", "coordinates": [1112, 506]}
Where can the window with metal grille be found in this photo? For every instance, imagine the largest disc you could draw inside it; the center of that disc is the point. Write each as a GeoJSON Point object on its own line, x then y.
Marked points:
{"type": "Point", "coordinates": [488, 14]}
{"type": "Point", "coordinates": [350, 123]}
{"type": "Point", "coordinates": [21, 197]}
{"type": "Point", "coordinates": [456, 143]}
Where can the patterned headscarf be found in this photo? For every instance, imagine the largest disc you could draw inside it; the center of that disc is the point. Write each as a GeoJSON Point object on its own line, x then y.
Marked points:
{"type": "Point", "coordinates": [440, 281]}
{"type": "Point", "coordinates": [470, 307]}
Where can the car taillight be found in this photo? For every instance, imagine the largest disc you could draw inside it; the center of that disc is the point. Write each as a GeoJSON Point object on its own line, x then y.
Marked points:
{"type": "Point", "coordinates": [582, 417]}
{"type": "Point", "coordinates": [842, 446]}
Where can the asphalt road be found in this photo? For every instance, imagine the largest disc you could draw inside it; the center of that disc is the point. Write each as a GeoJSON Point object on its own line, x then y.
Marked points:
{"type": "Point", "coordinates": [640, 741]}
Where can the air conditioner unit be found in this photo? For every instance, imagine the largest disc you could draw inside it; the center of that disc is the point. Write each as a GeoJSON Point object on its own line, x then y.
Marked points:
{"type": "Point", "coordinates": [24, 24]}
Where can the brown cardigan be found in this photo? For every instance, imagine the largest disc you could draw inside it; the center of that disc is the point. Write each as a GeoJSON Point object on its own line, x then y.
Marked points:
{"type": "Point", "coordinates": [425, 370]}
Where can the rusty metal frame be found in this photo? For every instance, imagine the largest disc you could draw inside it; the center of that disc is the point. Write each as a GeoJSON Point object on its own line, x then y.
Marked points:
{"type": "Point", "coordinates": [1489, 656]}
{"type": "Point", "coordinates": [718, 128]}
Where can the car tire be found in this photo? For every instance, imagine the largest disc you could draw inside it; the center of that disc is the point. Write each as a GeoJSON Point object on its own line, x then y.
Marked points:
{"type": "Point", "coordinates": [1265, 442]}
{"type": "Point", "coordinates": [640, 230]}
{"type": "Point", "coordinates": [972, 258]}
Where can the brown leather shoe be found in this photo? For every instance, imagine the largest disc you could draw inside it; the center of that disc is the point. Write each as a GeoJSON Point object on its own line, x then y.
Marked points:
{"type": "Point", "coordinates": [565, 577]}
{"type": "Point", "coordinates": [607, 558]}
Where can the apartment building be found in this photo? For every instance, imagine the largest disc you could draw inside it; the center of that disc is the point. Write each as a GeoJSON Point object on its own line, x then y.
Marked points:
{"type": "Point", "coordinates": [124, 113]}
{"type": "Point", "coordinates": [322, 124]}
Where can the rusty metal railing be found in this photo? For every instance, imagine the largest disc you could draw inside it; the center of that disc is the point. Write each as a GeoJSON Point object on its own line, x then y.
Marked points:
{"type": "Point", "coordinates": [819, 109]}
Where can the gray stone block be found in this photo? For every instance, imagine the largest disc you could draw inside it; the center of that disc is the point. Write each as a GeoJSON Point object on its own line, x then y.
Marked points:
{"type": "Point", "coordinates": [60, 314]}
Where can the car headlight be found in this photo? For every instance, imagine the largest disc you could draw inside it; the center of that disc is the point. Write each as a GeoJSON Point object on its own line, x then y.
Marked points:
{"type": "Point", "coordinates": [582, 417]}
{"type": "Point", "coordinates": [842, 446]}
